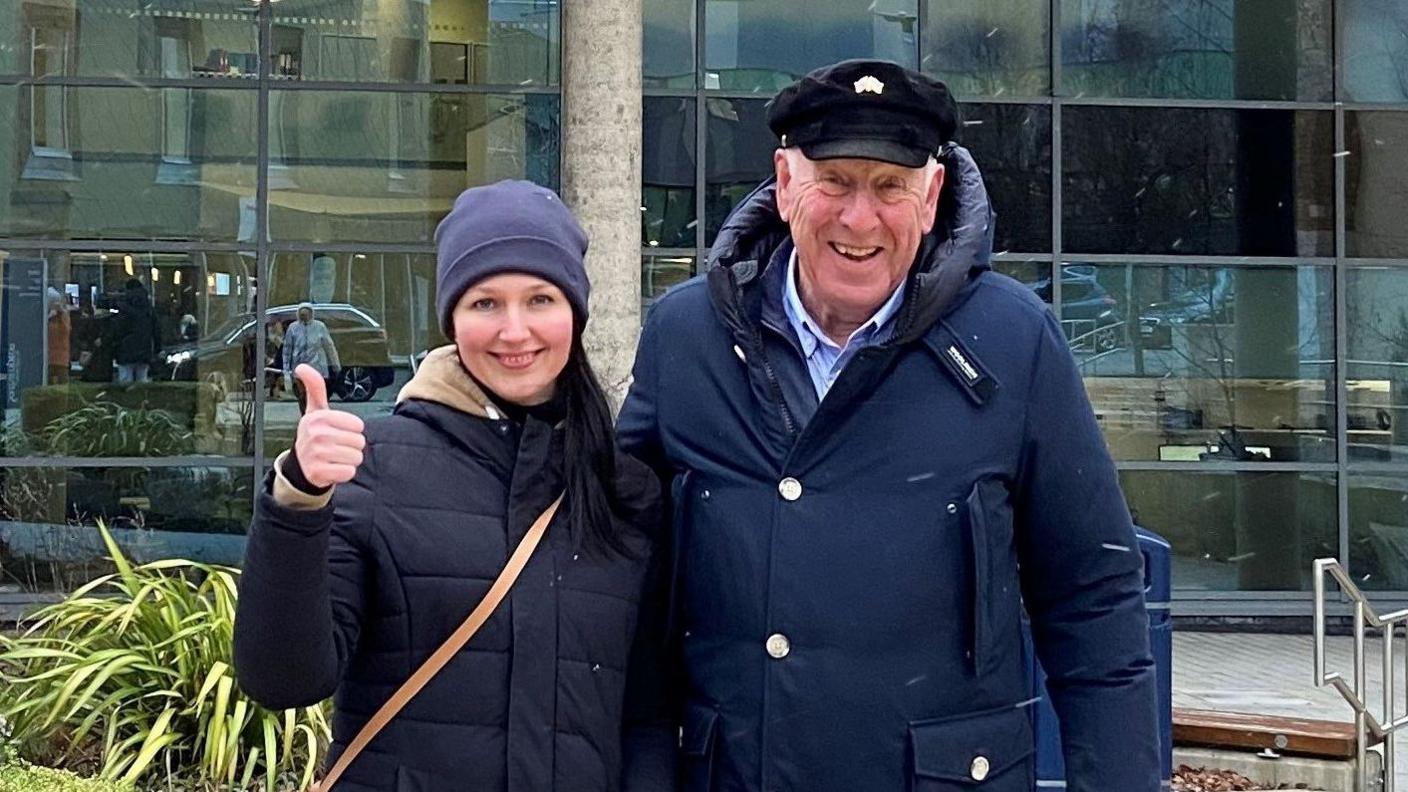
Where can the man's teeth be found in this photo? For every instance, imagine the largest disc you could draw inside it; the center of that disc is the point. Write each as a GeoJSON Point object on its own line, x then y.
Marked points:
{"type": "Point", "coordinates": [856, 252]}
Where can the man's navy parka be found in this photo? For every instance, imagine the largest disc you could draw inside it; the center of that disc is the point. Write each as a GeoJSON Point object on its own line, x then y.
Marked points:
{"type": "Point", "coordinates": [850, 575]}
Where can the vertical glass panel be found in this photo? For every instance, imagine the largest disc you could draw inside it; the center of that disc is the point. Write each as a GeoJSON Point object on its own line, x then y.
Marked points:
{"type": "Point", "coordinates": [1189, 364]}
{"type": "Point", "coordinates": [659, 273]}
{"type": "Point", "coordinates": [668, 44]}
{"type": "Point", "coordinates": [123, 354]}
{"type": "Point", "coordinates": [738, 156]}
{"type": "Point", "coordinates": [476, 42]}
{"type": "Point", "coordinates": [127, 163]}
{"type": "Point", "coordinates": [1376, 326]}
{"type": "Point", "coordinates": [1197, 49]}
{"type": "Point", "coordinates": [1376, 184]}
{"type": "Point", "coordinates": [989, 47]}
{"type": "Point", "coordinates": [1237, 531]}
{"type": "Point", "coordinates": [1231, 182]}
{"type": "Point", "coordinates": [372, 320]}
{"type": "Point", "coordinates": [668, 173]}
{"type": "Point", "coordinates": [751, 46]}
{"type": "Point", "coordinates": [1378, 530]}
{"type": "Point", "coordinates": [48, 542]}
{"type": "Point", "coordinates": [1012, 146]}
{"type": "Point", "coordinates": [128, 38]}
{"type": "Point", "coordinates": [386, 167]}
{"type": "Point", "coordinates": [1375, 50]}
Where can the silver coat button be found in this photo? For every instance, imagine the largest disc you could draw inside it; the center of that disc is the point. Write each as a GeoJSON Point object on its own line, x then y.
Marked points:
{"type": "Point", "coordinates": [953, 508]}
{"type": "Point", "coordinates": [980, 768]}
{"type": "Point", "coordinates": [790, 488]}
{"type": "Point", "coordinates": [778, 646]}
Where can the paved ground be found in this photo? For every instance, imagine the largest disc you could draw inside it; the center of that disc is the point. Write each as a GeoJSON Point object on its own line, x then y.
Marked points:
{"type": "Point", "coordinates": [1274, 675]}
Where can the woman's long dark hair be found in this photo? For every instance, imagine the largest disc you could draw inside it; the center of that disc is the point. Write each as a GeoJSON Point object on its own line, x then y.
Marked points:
{"type": "Point", "coordinates": [589, 457]}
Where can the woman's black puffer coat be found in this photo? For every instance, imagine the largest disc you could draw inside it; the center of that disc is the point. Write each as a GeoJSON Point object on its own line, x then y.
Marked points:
{"type": "Point", "coordinates": [349, 597]}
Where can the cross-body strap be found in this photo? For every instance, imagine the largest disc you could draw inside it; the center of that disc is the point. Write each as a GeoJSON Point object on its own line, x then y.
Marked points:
{"type": "Point", "coordinates": [447, 650]}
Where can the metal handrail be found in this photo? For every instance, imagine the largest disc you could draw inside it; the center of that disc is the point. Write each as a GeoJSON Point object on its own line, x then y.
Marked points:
{"type": "Point", "coordinates": [1384, 728]}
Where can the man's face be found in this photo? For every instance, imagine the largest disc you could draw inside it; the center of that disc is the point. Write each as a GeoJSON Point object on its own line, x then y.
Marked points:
{"type": "Point", "coordinates": [857, 225]}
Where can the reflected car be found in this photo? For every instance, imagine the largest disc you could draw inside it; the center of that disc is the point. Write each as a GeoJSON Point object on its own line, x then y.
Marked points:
{"type": "Point", "coordinates": [360, 340]}
{"type": "Point", "coordinates": [1208, 302]}
{"type": "Point", "coordinates": [1089, 314]}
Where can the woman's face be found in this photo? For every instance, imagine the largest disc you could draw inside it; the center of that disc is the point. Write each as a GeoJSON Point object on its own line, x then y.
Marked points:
{"type": "Point", "coordinates": [514, 333]}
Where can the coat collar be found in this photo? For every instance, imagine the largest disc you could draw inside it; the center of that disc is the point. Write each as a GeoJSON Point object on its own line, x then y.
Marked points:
{"type": "Point", "coordinates": [441, 379]}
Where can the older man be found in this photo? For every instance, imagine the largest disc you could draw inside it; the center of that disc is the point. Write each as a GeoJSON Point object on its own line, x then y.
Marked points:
{"type": "Point", "coordinates": [881, 452]}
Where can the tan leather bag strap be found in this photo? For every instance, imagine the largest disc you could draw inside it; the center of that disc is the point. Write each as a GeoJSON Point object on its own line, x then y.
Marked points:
{"type": "Point", "coordinates": [447, 650]}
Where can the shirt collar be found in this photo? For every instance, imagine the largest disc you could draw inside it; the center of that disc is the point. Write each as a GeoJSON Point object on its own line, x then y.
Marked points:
{"type": "Point", "coordinates": [809, 332]}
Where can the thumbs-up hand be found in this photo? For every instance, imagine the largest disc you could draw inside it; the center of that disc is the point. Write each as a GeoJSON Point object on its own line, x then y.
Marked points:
{"type": "Point", "coordinates": [329, 442]}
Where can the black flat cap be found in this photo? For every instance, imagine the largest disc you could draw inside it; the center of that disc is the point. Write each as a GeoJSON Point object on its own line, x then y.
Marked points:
{"type": "Point", "coordinates": [870, 109]}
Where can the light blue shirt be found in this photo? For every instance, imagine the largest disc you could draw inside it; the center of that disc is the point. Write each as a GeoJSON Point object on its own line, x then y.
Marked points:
{"type": "Point", "coordinates": [824, 358]}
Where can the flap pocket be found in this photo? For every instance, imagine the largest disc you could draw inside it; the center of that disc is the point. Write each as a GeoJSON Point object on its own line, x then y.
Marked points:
{"type": "Point", "coordinates": [700, 724]}
{"type": "Point", "coordinates": [984, 751]}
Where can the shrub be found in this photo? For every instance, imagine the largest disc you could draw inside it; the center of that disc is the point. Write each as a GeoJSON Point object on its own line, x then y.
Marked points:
{"type": "Point", "coordinates": [132, 673]}
{"type": "Point", "coordinates": [24, 777]}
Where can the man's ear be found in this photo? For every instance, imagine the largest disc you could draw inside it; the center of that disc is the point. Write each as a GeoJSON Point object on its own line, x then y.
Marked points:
{"type": "Point", "coordinates": [931, 197]}
{"type": "Point", "coordinates": [782, 167]}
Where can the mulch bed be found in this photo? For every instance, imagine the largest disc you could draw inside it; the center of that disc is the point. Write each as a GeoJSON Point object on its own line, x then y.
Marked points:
{"type": "Point", "coordinates": [1199, 779]}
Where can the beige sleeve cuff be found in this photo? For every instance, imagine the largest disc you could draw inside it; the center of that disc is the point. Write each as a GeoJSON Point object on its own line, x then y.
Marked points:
{"type": "Point", "coordinates": [285, 494]}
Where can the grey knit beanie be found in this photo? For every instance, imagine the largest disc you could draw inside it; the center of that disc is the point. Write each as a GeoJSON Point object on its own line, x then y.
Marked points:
{"type": "Point", "coordinates": [511, 226]}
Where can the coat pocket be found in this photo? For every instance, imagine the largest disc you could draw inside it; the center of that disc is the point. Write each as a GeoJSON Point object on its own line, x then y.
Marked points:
{"type": "Point", "coordinates": [995, 597]}
{"type": "Point", "coordinates": [988, 751]}
{"type": "Point", "coordinates": [698, 744]}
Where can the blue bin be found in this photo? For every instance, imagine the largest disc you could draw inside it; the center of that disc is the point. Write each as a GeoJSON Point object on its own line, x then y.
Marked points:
{"type": "Point", "coordinates": [1050, 764]}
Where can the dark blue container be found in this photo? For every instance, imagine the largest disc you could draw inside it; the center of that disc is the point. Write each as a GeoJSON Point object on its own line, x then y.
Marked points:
{"type": "Point", "coordinates": [1050, 765]}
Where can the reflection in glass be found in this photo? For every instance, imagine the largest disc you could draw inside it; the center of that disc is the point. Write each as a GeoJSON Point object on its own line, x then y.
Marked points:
{"type": "Point", "coordinates": [1195, 181]}
{"type": "Point", "coordinates": [1197, 49]}
{"type": "Point", "coordinates": [127, 163]}
{"type": "Point", "coordinates": [385, 167]}
{"type": "Point", "coordinates": [479, 42]}
{"type": "Point", "coordinates": [1237, 531]}
{"type": "Point", "coordinates": [128, 38]}
{"type": "Point", "coordinates": [668, 44]}
{"type": "Point", "coordinates": [48, 541]}
{"type": "Point", "coordinates": [667, 173]}
{"type": "Point", "coordinates": [1376, 184]}
{"type": "Point", "coordinates": [1377, 369]}
{"type": "Point", "coordinates": [989, 47]}
{"type": "Point", "coordinates": [379, 313]}
{"type": "Point", "coordinates": [1033, 274]}
{"type": "Point", "coordinates": [738, 156]}
{"type": "Point", "coordinates": [1375, 50]}
{"type": "Point", "coordinates": [1012, 146]}
{"type": "Point", "coordinates": [116, 354]}
{"type": "Point", "coordinates": [659, 273]}
{"type": "Point", "coordinates": [1187, 364]}
{"type": "Point", "coordinates": [765, 46]}
{"type": "Point", "coordinates": [1378, 530]}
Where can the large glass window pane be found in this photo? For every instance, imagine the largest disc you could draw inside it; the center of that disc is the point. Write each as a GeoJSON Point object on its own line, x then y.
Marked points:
{"type": "Point", "coordinates": [128, 38]}
{"type": "Point", "coordinates": [751, 46]}
{"type": "Point", "coordinates": [126, 353]}
{"type": "Point", "coordinates": [659, 273]}
{"type": "Point", "coordinates": [372, 322]}
{"type": "Point", "coordinates": [1375, 50]}
{"type": "Point", "coordinates": [989, 47]}
{"type": "Point", "coordinates": [1197, 49]}
{"type": "Point", "coordinates": [738, 156]}
{"type": "Point", "coordinates": [1376, 184]}
{"type": "Point", "coordinates": [1195, 181]}
{"type": "Point", "coordinates": [479, 42]}
{"type": "Point", "coordinates": [1249, 531]}
{"type": "Point", "coordinates": [1378, 530]}
{"type": "Point", "coordinates": [127, 163]}
{"type": "Point", "coordinates": [1376, 321]}
{"type": "Point", "coordinates": [668, 44]}
{"type": "Point", "coordinates": [385, 167]}
{"type": "Point", "coordinates": [1033, 274]}
{"type": "Point", "coordinates": [48, 542]}
{"type": "Point", "coordinates": [1012, 146]}
{"type": "Point", "coordinates": [1189, 364]}
{"type": "Point", "coordinates": [668, 173]}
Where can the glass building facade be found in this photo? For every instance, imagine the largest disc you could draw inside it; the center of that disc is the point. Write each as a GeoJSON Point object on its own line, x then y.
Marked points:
{"type": "Point", "coordinates": [1209, 193]}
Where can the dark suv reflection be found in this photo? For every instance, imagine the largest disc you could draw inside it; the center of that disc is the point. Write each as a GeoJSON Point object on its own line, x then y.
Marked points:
{"type": "Point", "coordinates": [360, 341]}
